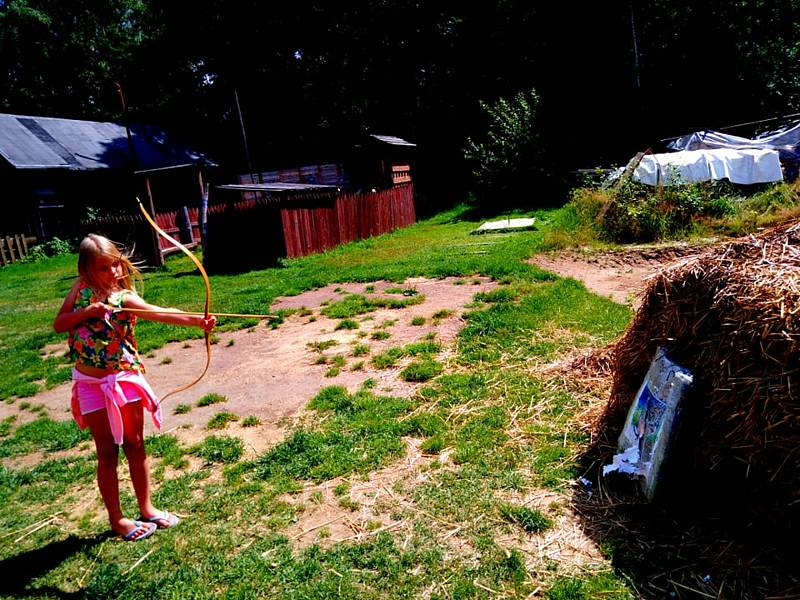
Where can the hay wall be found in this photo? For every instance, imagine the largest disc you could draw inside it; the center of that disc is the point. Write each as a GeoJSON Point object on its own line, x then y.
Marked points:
{"type": "Point", "coordinates": [730, 314]}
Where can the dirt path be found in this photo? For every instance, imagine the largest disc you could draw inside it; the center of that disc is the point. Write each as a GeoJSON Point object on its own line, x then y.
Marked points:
{"type": "Point", "coordinates": [621, 276]}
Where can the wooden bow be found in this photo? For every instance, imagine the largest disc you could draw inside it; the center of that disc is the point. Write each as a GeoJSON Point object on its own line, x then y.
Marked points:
{"type": "Point", "coordinates": [206, 308]}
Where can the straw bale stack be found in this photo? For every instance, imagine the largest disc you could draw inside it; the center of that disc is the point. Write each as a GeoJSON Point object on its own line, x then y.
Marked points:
{"type": "Point", "coordinates": [731, 314]}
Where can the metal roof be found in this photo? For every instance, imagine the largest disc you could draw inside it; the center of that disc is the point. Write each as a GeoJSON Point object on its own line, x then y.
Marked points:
{"type": "Point", "coordinates": [29, 142]}
{"type": "Point", "coordinates": [394, 141]}
{"type": "Point", "coordinates": [275, 187]}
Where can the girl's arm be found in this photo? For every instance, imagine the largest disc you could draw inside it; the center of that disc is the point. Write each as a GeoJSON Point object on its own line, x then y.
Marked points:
{"type": "Point", "coordinates": [68, 319]}
{"type": "Point", "coordinates": [172, 316]}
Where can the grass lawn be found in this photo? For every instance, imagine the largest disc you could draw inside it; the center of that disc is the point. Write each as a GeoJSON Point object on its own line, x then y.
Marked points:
{"type": "Point", "coordinates": [506, 432]}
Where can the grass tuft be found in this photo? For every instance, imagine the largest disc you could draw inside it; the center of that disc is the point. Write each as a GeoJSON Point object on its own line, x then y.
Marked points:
{"type": "Point", "coordinates": [531, 520]}
{"type": "Point", "coordinates": [219, 449]}
{"type": "Point", "coordinates": [210, 399]}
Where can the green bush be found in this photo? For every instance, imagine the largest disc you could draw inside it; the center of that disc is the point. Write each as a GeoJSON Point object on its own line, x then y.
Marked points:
{"type": "Point", "coordinates": [512, 155]}
{"type": "Point", "coordinates": [634, 212]}
{"type": "Point", "coordinates": [53, 247]}
{"type": "Point", "coordinates": [773, 199]}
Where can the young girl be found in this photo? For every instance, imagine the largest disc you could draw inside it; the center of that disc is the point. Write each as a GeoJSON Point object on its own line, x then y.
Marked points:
{"type": "Point", "coordinates": [109, 391]}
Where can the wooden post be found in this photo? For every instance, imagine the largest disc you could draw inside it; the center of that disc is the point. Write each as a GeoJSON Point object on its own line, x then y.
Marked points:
{"type": "Point", "coordinates": [185, 225]}
{"type": "Point", "coordinates": [202, 217]}
{"type": "Point", "coordinates": [20, 249]}
{"type": "Point", "coordinates": [10, 246]}
{"type": "Point", "coordinates": [3, 251]}
{"type": "Point", "coordinates": [158, 257]}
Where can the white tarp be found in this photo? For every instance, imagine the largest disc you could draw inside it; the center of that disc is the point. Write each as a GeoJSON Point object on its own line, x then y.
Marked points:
{"type": "Point", "coordinates": [742, 166]}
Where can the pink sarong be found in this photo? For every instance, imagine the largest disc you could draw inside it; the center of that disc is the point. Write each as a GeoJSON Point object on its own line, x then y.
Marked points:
{"type": "Point", "coordinates": [114, 398]}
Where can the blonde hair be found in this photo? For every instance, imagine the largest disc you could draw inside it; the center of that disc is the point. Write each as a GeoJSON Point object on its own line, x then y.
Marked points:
{"type": "Point", "coordinates": [94, 246]}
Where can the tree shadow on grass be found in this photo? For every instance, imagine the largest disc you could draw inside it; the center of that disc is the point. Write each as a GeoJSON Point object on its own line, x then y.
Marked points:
{"type": "Point", "coordinates": [19, 571]}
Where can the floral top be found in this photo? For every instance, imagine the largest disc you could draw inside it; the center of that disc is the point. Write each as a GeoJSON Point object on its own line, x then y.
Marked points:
{"type": "Point", "coordinates": [106, 343]}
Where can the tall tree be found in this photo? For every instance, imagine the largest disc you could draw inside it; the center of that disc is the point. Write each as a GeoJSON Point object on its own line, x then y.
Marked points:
{"type": "Point", "coordinates": [612, 78]}
{"type": "Point", "coordinates": [61, 57]}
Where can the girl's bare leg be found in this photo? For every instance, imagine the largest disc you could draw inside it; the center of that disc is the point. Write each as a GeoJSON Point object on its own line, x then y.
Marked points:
{"type": "Point", "coordinates": [133, 445]}
{"type": "Point", "coordinates": [107, 480]}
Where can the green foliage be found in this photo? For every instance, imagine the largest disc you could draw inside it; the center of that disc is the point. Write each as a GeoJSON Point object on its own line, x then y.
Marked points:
{"type": "Point", "coordinates": [356, 304]}
{"type": "Point", "coordinates": [481, 438]}
{"type": "Point", "coordinates": [167, 448]}
{"type": "Point", "coordinates": [423, 348]}
{"type": "Point", "coordinates": [530, 519]}
{"type": "Point", "coordinates": [79, 47]}
{"type": "Point", "coordinates": [221, 420]}
{"type": "Point", "coordinates": [211, 398]}
{"type": "Point", "coordinates": [499, 295]}
{"type": "Point", "coordinates": [421, 370]}
{"type": "Point", "coordinates": [360, 350]}
{"type": "Point", "coordinates": [774, 199]}
{"type": "Point", "coordinates": [346, 324]}
{"type": "Point", "coordinates": [52, 247]}
{"type": "Point", "coordinates": [46, 482]}
{"type": "Point", "coordinates": [357, 433]}
{"type": "Point", "coordinates": [219, 449]}
{"type": "Point", "coordinates": [433, 445]}
{"type": "Point", "coordinates": [426, 424]}
{"type": "Point", "coordinates": [7, 424]}
{"type": "Point", "coordinates": [511, 156]}
{"type": "Point", "coordinates": [388, 358]}
{"type": "Point", "coordinates": [454, 389]}
{"type": "Point", "coordinates": [634, 212]}
{"type": "Point", "coordinates": [589, 587]}
{"type": "Point", "coordinates": [322, 345]}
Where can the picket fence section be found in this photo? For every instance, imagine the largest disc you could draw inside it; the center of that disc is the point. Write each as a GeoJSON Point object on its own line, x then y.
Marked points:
{"type": "Point", "coordinates": [284, 225]}
{"type": "Point", "coordinates": [310, 227]}
{"type": "Point", "coordinates": [14, 247]}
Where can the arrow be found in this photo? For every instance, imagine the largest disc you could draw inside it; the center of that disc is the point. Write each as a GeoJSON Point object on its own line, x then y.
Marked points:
{"type": "Point", "coordinates": [194, 314]}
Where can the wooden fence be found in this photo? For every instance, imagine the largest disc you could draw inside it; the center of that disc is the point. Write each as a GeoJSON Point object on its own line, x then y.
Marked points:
{"type": "Point", "coordinates": [254, 232]}
{"type": "Point", "coordinates": [250, 233]}
{"type": "Point", "coordinates": [310, 227]}
{"type": "Point", "coordinates": [134, 232]}
{"type": "Point", "coordinates": [14, 247]}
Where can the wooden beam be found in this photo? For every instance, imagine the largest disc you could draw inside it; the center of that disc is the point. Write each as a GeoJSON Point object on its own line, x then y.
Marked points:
{"type": "Point", "coordinates": [157, 255]}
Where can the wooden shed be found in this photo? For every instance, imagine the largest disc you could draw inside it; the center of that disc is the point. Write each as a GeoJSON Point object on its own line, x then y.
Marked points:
{"type": "Point", "coordinates": [312, 208]}
{"type": "Point", "coordinates": [56, 174]}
